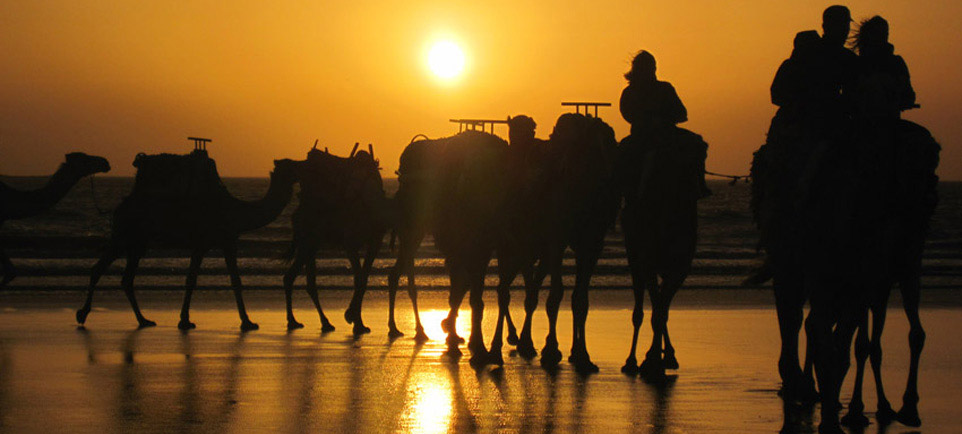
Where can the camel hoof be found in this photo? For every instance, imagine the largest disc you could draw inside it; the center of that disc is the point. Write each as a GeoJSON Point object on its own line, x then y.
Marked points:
{"type": "Point", "coordinates": [830, 427]}
{"type": "Point", "coordinates": [855, 419]}
{"type": "Point", "coordinates": [144, 323]}
{"type": "Point", "coordinates": [453, 352]}
{"type": "Point", "coordinates": [294, 325]}
{"type": "Point", "coordinates": [394, 333]}
{"type": "Point", "coordinates": [421, 337]}
{"type": "Point", "coordinates": [670, 361]}
{"type": "Point", "coordinates": [630, 367]}
{"type": "Point", "coordinates": [513, 338]}
{"type": "Point", "coordinates": [360, 329]}
{"type": "Point", "coordinates": [248, 326]}
{"type": "Point", "coordinates": [885, 415]}
{"type": "Point", "coordinates": [82, 316]}
{"type": "Point", "coordinates": [652, 369]}
{"type": "Point", "coordinates": [186, 325]}
{"type": "Point", "coordinates": [327, 327]}
{"type": "Point", "coordinates": [550, 357]}
{"type": "Point", "coordinates": [583, 364]}
{"type": "Point", "coordinates": [479, 359]}
{"type": "Point", "coordinates": [526, 350]}
{"type": "Point", "coordinates": [909, 416]}
{"type": "Point", "coordinates": [495, 357]}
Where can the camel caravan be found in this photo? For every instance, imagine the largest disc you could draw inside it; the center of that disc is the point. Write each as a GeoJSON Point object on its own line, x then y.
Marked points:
{"type": "Point", "coordinates": [842, 192]}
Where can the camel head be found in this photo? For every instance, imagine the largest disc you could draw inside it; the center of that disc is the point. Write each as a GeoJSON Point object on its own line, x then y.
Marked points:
{"type": "Point", "coordinates": [285, 171]}
{"type": "Point", "coordinates": [364, 174]}
{"type": "Point", "coordinates": [83, 164]}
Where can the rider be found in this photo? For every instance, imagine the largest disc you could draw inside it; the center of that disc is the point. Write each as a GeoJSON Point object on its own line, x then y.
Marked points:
{"type": "Point", "coordinates": [884, 87]}
{"type": "Point", "coordinates": [814, 85]}
{"type": "Point", "coordinates": [653, 109]}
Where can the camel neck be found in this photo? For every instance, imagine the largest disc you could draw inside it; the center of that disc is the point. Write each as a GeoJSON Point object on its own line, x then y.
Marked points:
{"type": "Point", "coordinates": [261, 212]}
{"type": "Point", "coordinates": [57, 186]}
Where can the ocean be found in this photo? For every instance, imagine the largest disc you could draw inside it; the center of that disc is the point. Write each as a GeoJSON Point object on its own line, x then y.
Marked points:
{"type": "Point", "coordinates": [57, 249]}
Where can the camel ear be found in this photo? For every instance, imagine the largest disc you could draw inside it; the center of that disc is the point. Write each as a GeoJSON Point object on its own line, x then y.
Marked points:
{"type": "Point", "coordinates": [315, 144]}
{"type": "Point", "coordinates": [356, 144]}
{"type": "Point", "coordinates": [370, 149]}
{"type": "Point", "coordinates": [326, 151]}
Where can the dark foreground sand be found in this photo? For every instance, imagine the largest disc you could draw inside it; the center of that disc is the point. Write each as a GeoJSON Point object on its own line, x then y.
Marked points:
{"type": "Point", "coordinates": [112, 378]}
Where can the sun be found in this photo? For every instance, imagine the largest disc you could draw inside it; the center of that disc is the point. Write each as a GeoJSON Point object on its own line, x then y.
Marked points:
{"type": "Point", "coordinates": [446, 60]}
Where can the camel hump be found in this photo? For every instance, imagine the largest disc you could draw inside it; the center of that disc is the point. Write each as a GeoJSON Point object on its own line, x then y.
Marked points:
{"type": "Point", "coordinates": [177, 176]}
{"type": "Point", "coordinates": [428, 158]}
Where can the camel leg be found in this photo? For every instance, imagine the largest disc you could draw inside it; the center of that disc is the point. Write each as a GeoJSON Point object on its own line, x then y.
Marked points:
{"type": "Point", "coordinates": [579, 308]}
{"type": "Point", "coordinates": [353, 312]}
{"type": "Point", "coordinates": [855, 418]}
{"type": "Point", "coordinates": [289, 277]}
{"type": "Point", "coordinates": [806, 384]}
{"type": "Point", "coordinates": [531, 289]}
{"type": "Point", "coordinates": [659, 315]}
{"type": "Point", "coordinates": [550, 355]}
{"type": "Point", "coordinates": [884, 413]}
{"type": "Point", "coordinates": [638, 283]}
{"type": "Point", "coordinates": [527, 274]}
{"type": "Point", "coordinates": [455, 297]}
{"type": "Point", "coordinates": [230, 259]}
{"type": "Point", "coordinates": [311, 267]}
{"type": "Point", "coordinates": [507, 271]}
{"type": "Point", "coordinates": [475, 274]}
{"type": "Point", "coordinates": [108, 257]}
{"type": "Point", "coordinates": [823, 355]}
{"type": "Point", "coordinates": [196, 257]}
{"type": "Point", "coordinates": [419, 334]}
{"type": "Point", "coordinates": [910, 288]}
{"type": "Point", "coordinates": [409, 241]}
{"type": "Point", "coordinates": [9, 271]}
{"type": "Point", "coordinates": [789, 301]}
{"type": "Point", "coordinates": [133, 260]}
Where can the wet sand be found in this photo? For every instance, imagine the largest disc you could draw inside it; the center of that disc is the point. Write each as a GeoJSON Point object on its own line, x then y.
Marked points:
{"type": "Point", "coordinates": [112, 378]}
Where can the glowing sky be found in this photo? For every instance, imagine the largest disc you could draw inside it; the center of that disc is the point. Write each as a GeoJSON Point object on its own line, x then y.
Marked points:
{"type": "Point", "coordinates": [264, 79]}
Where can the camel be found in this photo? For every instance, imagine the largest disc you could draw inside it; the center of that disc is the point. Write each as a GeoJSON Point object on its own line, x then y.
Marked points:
{"type": "Point", "coordinates": [892, 253]}
{"type": "Point", "coordinates": [341, 204]}
{"type": "Point", "coordinates": [18, 204]}
{"type": "Point", "coordinates": [582, 202]}
{"type": "Point", "coordinates": [178, 201]}
{"type": "Point", "coordinates": [660, 224]}
{"type": "Point", "coordinates": [452, 188]}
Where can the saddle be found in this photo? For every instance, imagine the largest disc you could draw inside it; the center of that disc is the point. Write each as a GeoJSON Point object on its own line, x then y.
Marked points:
{"type": "Point", "coordinates": [175, 176]}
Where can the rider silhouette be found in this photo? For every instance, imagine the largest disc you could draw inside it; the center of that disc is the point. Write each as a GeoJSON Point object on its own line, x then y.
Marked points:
{"type": "Point", "coordinates": [884, 87]}
{"type": "Point", "coordinates": [653, 109]}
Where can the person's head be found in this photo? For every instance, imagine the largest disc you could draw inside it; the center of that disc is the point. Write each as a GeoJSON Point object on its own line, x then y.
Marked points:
{"type": "Point", "coordinates": [521, 129]}
{"type": "Point", "coordinates": [805, 43]}
{"type": "Point", "coordinates": [642, 68]}
{"type": "Point", "coordinates": [836, 23]}
{"type": "Point", "coordinates": [873, 32]}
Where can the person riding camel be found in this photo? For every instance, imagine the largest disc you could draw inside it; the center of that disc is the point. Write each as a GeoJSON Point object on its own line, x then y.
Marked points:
{"type": "Point", "coordinates": [653, 109]}
{"type": "Point", "coordinates": [884, 87]}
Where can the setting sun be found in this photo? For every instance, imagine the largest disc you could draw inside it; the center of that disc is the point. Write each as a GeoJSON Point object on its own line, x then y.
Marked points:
{"type": "Point", "coordinates": [446, 60]}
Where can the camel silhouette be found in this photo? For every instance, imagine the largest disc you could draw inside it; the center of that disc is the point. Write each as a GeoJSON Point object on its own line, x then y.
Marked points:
{"type": "Point", "coordinates": [895, 215]}
{"type": "Point", "coordinates": [341, 204]}
{"type": "Point", "coordinates": [583, 202]}
{"type": "Point", "coordinates": [198, 214]}
{"type": "Point", "coordinates": [18, 204]}
{"type": "Point", "coordinates": [660, 224]}
{"type": "Point", "coordinates": [452, 188]}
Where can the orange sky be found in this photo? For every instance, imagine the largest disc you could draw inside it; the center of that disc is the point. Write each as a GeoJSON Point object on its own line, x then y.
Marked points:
{"type": "Point", "coordinates": [264, 79]}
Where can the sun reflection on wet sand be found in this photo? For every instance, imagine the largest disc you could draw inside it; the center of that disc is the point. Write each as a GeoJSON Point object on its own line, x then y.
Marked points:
{"type": "Point", "coordinates": [111, 378]}
{"type": "Point", "coordinates": [429, 405]}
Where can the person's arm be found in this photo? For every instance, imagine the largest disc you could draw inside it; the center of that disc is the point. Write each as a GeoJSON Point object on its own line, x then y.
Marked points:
{"type": "Point", "coordinates": [676, 112]}
{"type": "Point", "coordinates": [906, 93]}
{"type": "Point", "coordinates": [629, 109]}
{"type": "Point", "coordinates": [783, 89]}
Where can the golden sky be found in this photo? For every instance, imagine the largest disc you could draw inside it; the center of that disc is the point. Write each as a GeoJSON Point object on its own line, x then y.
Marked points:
{"type": "Point", "coordinates": [264, 79]}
